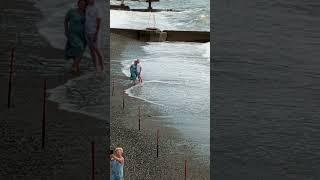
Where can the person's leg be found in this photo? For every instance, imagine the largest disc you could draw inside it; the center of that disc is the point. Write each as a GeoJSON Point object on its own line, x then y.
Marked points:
{"type": "Point", "coordinates": [98, 52]}
{"type": "Point", "coordinates": [140, 79]}
{"type": "Point", "coordinates": [135, 81]}
{"type": "Point", "coordinates": [73, 68]}
{"type": "Point", "coordinates": [77, 64]}
{"type": "Point", "coordinates": [91, 45]}
{"type": "Point", "coordinates": [94, 57]}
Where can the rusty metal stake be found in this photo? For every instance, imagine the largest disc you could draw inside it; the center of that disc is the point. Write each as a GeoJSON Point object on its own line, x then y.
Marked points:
{"type": "Point", "coordinates": [157, 143]}
{"type": "Point", "coordinates": [44, 113]}
{"type": "Point", "coordinates": [113, 88]}
{"type": "Point", "coordinates": [10, 77]}
{"type": "Point", "coordinates": [139, 117]}
{"type": "Point", "coordinates": [123, 98]}
{"type": "Point", "coordinates": [185, 170]}
{"type": "Point", "coordinates": [93, 164]}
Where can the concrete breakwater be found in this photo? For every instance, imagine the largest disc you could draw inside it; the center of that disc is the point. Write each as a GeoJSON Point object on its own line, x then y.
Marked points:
{"type": "Point", "coordinates": [127, 8]}
{"type": "Point", "coordinates": [120, 7]}
{"type": "Point", "coordinates": [144, 0]}
{"type": "Point", "coordinates": [156, 35]}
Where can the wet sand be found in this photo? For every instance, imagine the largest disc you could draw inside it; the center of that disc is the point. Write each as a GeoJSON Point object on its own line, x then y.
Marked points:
{"type": "Point", "coordinates": [67, 153]}
{"type": "Point", "coordinates": [140, 146]}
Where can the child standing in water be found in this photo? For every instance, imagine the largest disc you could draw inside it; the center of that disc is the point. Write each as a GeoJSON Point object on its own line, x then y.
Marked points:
{"type": "Point", "coordinates": [92, 27]}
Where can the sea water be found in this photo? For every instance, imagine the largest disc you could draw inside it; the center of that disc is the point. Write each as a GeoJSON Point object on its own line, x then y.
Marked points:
{"type": "Point", "coordinates": [87, 93]}
{"type": "Point", "coordinates": [176, 74]}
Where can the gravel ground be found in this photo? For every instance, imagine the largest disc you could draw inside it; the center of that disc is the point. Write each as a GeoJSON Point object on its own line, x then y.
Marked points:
{"type": "Point", "coordinates": [67, 153]}
{"type": "Point", "coordinates": [141, 161]}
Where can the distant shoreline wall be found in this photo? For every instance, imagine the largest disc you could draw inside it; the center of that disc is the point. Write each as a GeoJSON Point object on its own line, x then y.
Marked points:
{"type": "Point", "coordinates": [134, 34]}
{"type": "Point", "coordinates": [188, 36]}
{"type": "Point", "coordinates": [127, 8]}
{"type": "Point", "coordinates": [181, 36]}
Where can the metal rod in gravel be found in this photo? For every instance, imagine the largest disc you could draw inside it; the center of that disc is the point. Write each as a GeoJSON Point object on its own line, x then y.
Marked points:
{"type": "Point", "coordinates": [157, 143]}
{"type": "Point", "coordinates": [44, 113]}
{"type": "Point", "coordinates": [10, 76]}
{"type": "Point", "coordinates": [93, 164]}
{"type": "Point", "coordinates": [139, 117]}
{"type": "Point", "coordinates": [123, 99]}
{"type": "Point", "coordinates": [112, 87]}
{"type": "Point", "coordinates": [185, 170]}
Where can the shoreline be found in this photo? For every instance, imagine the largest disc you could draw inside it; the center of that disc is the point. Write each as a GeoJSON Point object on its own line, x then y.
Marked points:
{"type": "Point", "coordinates": [140, 146]}
{"type": "Point", "coordinates": [68, 135]}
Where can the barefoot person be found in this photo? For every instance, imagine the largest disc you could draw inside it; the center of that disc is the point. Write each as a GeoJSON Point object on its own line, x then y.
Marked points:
{"type": "Point", "coordinates": [74, 31]}
{"type": "Point", "coordinates": [92, 27]}
{"type": "Point", "coordinates": [117, 163]}
{"type": "Point", "coordinates": [134, 71]}
{"type": "Point", "coordinates": [139, 70]}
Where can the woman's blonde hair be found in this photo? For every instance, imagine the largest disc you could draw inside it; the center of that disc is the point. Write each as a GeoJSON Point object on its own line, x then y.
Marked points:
{"type": "Point", "coordinates": [119, 148]}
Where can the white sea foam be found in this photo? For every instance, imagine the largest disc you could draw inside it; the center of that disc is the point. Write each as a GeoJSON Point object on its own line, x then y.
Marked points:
{"type": "Point", "coordinates": [176, 76]}
{"type": "Point", "coordinates": [52, 25]}
{"type": "Point", "coordinates": [129, 92]}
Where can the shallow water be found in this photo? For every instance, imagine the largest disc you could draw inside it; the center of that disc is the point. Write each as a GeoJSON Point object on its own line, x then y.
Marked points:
{"type": "Point", "coordinates": [193, 15]}
{"type": "Point", "coordinates": [87, 93]}
{"type": "Point", "coordinates": [176, 75]}
{"type": "Point", "coordinates": [176, 78]}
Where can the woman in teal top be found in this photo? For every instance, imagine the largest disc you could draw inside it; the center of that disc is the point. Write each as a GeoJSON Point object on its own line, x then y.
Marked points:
{"type": "Point", "coordinates": [74, 31]}
{"type": "Point", "coordinates": [117, 170]}
{"type": "Point", "coordinates": [133, 71]}
{"type": "Point", "coordinates": [117, 163]}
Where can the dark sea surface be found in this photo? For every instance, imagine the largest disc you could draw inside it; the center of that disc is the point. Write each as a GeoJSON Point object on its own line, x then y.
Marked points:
{"type": "Point", "coordinates": [266, 81]}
